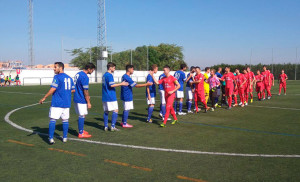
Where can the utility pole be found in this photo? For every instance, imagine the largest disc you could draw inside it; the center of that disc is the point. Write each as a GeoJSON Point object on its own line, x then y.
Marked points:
{"type": "Point", "coordinates": [250, 57]}
{"type": "Point", "coordinates": [62, 49]}
{"type": "Point", "coordinates": [131, 56]}
{"type": "Point", "coordinates": [90, 51]}
{"type": "Point", "coordinates": [272, 60]}
{"type": "Point", "coordinates": [296, 63]}
{"type": "Point", "coordinates": [30, 32]}
{"type": "Point", "coordinates": [147, 59]}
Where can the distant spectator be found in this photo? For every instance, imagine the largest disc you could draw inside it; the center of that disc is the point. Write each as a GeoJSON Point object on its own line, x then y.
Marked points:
{"type": "Point", "coordinates": [18, 82]}
{"type": "Point", "coordinates": [2, 77]}
{"type": "Point", "coordinates": [6, 80]}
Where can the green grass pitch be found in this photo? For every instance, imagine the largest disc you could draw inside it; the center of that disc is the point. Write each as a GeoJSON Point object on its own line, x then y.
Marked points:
{"type": "Point", "coordinates": [267, 127]}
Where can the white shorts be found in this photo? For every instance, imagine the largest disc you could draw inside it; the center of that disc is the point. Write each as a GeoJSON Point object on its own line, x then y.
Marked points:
{"type": "Point", "coordinates": [59, 112]}
{"type": "Point", "coordinates": [128, 105]}
{"type": "Point", "coordinates": [81, 109]}
{"type": "Point", "coordinates": [179, 94]}
{"type": "Point", "coordinates": [152, 101]}
{"type": "Point", "coordinates": [189, 93]}
{"type": "Point", "coordinates": [162, 97]}
{"type": "Point", "coordinates": [110, 106]}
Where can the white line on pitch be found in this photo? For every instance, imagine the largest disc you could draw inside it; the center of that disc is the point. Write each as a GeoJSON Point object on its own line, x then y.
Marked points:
{"type": "Point", "coordinates": [6, 118]}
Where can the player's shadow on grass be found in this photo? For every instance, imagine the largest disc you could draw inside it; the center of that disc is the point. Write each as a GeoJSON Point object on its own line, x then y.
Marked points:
{"type": "Point", "coordinates": [71, 131]}
{"type": "Point", "coordinates": [95, 125]}
{"type": "Point", "coordinates": [42, 133]}
{"type": "Point", "coordinates": [134, 116]}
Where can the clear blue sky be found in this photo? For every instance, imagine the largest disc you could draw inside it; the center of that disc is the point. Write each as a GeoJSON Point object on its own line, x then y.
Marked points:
{"type": "Point", "coordinates": [210, 31]}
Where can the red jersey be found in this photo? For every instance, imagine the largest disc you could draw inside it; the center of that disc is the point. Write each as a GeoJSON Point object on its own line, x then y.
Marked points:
{"type": "Point", "coordinates": [247, 78]}
{"type": "Point", "coordinates": [228, 77]}
{"type": "Point", "coordinates": [266, 75]}
{"type": "Point", "coordinates": [271, 76]}
{"type": "Point", "coordinates": [199, 86]}
{"type": "Point", "coordinates": [259, 79]}
{"type": "Point", "coordinates": [168, 83]}
{"type": "Point", "coordinates": [251, 77]}
{"type": "Point", "coordinates": [240, 80]}
{"type": "Point", "coordinates": [282, 78]}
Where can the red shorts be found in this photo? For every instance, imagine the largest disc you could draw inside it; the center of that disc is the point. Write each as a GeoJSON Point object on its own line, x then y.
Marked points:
{"type": "Point", "coordinates": [169, 99]}
{"type": "Point", "coordinates": [259, 88]}
{"type": "Point", "coordinates": [250, 88]}
{"type": "Point", "coordinates": [267, 86]}
{"type": "Point", "coordinates": [228, 91]}
{"type": "Point", "coordinates": [235, 91]}
{"type": "Point", "coordinates": [199, 96]}
{"type": "Point", "coordinates": [282, 85]}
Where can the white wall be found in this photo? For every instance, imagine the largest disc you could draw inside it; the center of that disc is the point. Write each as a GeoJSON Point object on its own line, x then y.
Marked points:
{"type": "Point", "coordinates": [45, 76]}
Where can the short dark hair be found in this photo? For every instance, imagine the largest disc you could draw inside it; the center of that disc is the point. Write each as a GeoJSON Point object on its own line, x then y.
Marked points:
{"type": "Point", "coordinates": [207, 68]}
{"type": "Point", "coordinates": [110, 64]}
{"type": "Point", "coordinates": [245, 69]}
{"type": "Point", "coordinates": [60, 64]}
{"type": "Point", "coordinates": [183, 66]}
{"type": "Point", "coordinates": [197, 67]}
{"type": "Point", "coordinates": [153, 67]}
{"type": "Point", "coordinates": [192, 67]}
{"type": "Point", "coordinates": [167, 66]}
{"type": "Point", "coordinates": [89, 66]}
{"type": "Point", "coordinates": [128, 66]}
{"type": "Point", "coordinates": [237, 69]}
{"type": "Point", "coordinates": [264, 66]}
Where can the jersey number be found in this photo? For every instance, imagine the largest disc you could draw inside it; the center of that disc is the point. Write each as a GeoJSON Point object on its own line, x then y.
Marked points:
{"type": "Point", "coordinates": [67, 84]}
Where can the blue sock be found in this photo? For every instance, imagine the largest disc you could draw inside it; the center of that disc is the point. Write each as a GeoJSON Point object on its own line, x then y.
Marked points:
{"type": "Point", "coordinates": [175, 106]}
{"type": "Point", "coordinates": [65, 128]}
{"type": "Point", "coordinates": [125, 116]}
{"type": "Point", "coordinates": [51, 128]}
{"type": "Point", "coordinates": [114, 118]}
{"type": "Point", "coordinates": [80, 124]}
{"type": "Point", "coordinates": [163, 109]}
{"type": "Point", "coordinates": [105, 117]}
{"type": "Point", "coordinates": [180, 106]}
{"type": "Point", "coordinates": [160, 109]}
{"type": "Point", "coordinates": [189, 105]}
{"type": "Point", "coordinates": [150, 111]}
{"type": "Point", "coordinates": [217, 100]}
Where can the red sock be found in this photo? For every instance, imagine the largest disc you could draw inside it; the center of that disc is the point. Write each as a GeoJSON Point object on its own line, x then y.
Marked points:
{"type": "Point", "coordinates": [235, 99]}
{"type": "Point", "coordinates": [229, 101]}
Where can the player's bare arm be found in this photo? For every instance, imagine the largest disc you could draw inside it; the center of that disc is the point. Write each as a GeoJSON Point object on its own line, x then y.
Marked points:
{"type": "Point", "coordinates": [87, 98]}
{"type": "Point", "coordinates": [50, 92]}
{"type": "Point", "coordinates": [144, 85]}
{"type": "Point", "coordinates": [120, 84]}
{"type": "Point", "coordinates": [191, 75]}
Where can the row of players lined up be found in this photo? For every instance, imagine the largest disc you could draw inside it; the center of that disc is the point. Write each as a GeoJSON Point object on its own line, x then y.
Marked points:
{"type": "Point", "coordinates": [170, 88]}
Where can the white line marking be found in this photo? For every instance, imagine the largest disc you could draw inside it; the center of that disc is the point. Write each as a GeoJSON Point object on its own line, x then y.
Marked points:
{"type": "Point", "coordinates": [6, 118]}
{"type": "Point", "coordinates": [285, 108]}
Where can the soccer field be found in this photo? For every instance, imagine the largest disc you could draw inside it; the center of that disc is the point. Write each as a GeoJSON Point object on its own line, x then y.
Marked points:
{"type": "Point", "coordinates": [260, 142]}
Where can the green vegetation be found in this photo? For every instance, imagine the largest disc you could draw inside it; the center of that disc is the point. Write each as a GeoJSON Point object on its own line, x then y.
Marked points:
{"type": "Point", "coordinates": [163, 54]}
{"type": "Point", "coordinates": [267, 127]}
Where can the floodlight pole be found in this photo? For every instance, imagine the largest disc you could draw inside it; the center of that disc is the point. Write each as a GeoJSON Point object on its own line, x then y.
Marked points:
{"type": "Point", "coordinates": [272, 60]}
{"type": "Point", "coordinates": [250, 58]}
{"type": "Point", "coordinates": [30, 32]}
{"type": "Point", "coordinates": [296, 63]}
{"type": "Point", "coordinates": [147, 59]}
{"type": "Point", "coordinates": [131, 56]}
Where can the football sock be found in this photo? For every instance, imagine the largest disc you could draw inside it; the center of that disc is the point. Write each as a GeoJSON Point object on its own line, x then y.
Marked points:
{"type": "Point", "coordinates": [105, 117]}
{"type": "Point", "coordinates": [189, 105]}
{"type": "Point", "coordinates": [235, 99]}
{"type": "Point", "coordinates": [51, 128]}
{"type": "Point", "coordinates": [163, 109]}
{"type": "Point", "coordinates": [80, 124]}
{"type": "Point", "coordinates": [150, 111]}
{"type": "Point", "coordinates": [180, 106]}
{"type": "Point", "coordinates": [175, 106]}
{"type": "Point", "coordinates": [125, 116]}
{"type": "Point", "coordinates": [114, 118]}
{"type": "Point", "coordinates": [65, 128]}
{"type": "Point", "coordinates": [229, 101]}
